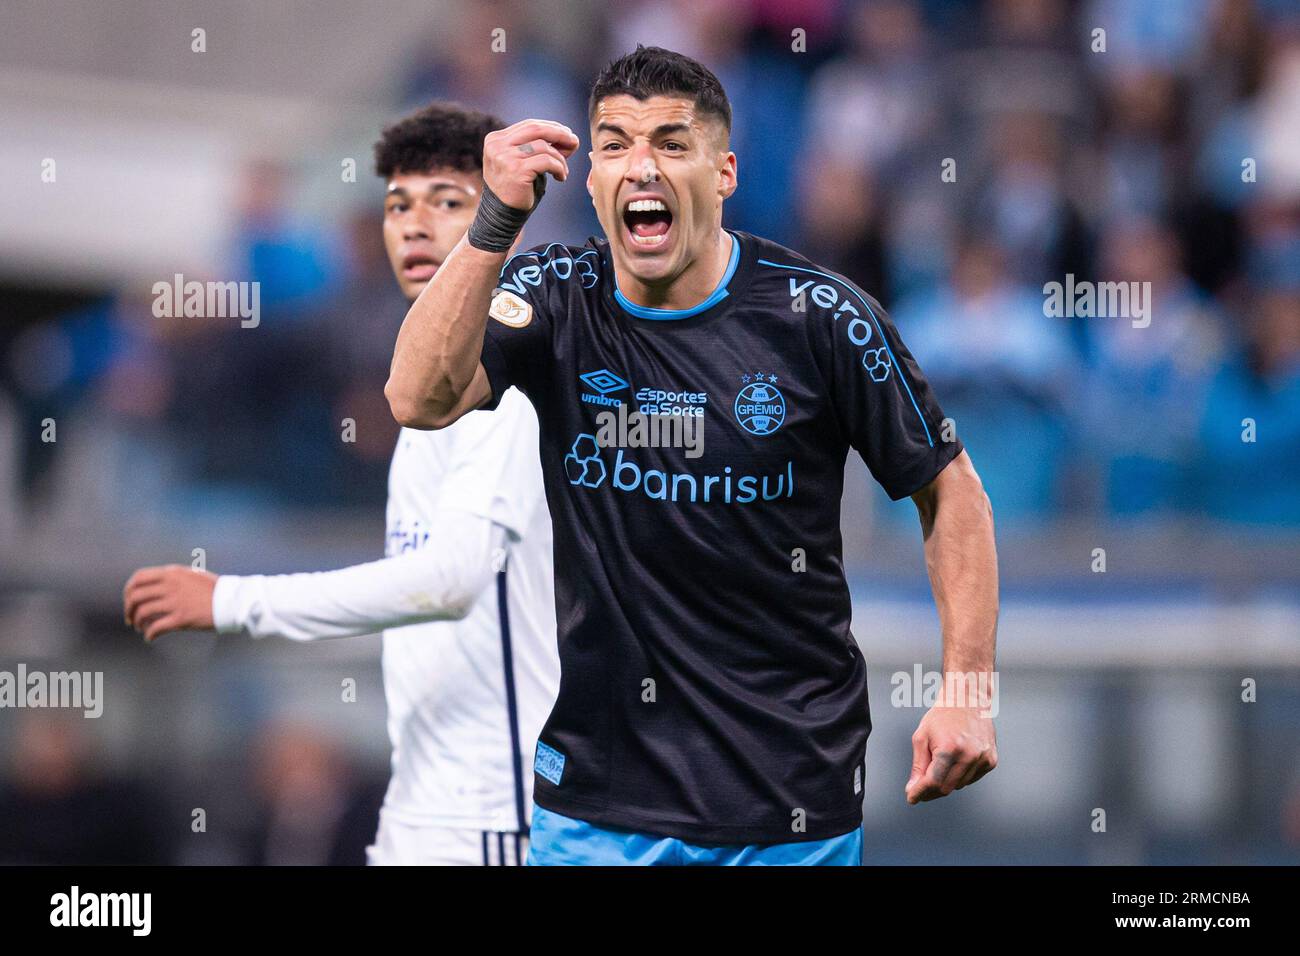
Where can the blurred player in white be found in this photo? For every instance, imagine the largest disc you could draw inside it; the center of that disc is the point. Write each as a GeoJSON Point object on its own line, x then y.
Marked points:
{"type": "Point", "coordinates": [465, 594]}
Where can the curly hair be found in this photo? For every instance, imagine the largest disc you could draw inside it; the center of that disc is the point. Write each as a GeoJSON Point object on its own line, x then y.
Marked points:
{"type": "Point", "coordinates": [442, 135]}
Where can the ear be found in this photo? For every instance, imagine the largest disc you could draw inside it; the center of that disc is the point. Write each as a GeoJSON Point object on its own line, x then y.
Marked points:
{"type": "Point", "coordinates": [590, 169]}
{"type": "Point", "coordinates": [727, 179]}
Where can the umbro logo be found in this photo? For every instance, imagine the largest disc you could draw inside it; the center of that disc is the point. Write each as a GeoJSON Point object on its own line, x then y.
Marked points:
{"type": "Point", "coordinates": [603, 381]}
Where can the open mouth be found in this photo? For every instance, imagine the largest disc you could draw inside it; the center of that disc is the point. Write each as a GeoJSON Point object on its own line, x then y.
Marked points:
{"type": "Point", "coordinates": [419, 266]}
{"type": "Point", "coordinates": [647, 222]}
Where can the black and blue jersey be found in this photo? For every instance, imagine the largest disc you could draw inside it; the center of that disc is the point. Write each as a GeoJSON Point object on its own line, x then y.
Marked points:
{"type": "Point", "coordinates": [710, 687]}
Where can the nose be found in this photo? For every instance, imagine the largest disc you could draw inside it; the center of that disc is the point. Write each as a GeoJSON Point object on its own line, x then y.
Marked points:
{"type": "Point", "coordinates": [641, 166]}
{"type": "Point", "coordinates": [416, 226]}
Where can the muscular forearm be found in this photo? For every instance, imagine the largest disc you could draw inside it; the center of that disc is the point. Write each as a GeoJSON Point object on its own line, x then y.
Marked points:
{"type": "Point", "coordinates": [961, 557]}
{"type": "Point", "coordinates": [955, 744]}
{"type": "Point", "coordinates": [435, 370]}
{"type": "Point", "coordinates": [438, 582]}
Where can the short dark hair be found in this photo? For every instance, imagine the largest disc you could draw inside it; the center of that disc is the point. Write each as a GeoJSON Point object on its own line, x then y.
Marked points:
{"type": "Point", "coordinates": [653, 71]}
{"type": "Point", "coordinates": [442, 135]}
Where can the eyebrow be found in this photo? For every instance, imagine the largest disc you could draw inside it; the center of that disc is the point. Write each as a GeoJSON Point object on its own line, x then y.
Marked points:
{"type": "Point", "coordinates": [437, 187]}
{"type": "Point", "coordinates": [663, 129]}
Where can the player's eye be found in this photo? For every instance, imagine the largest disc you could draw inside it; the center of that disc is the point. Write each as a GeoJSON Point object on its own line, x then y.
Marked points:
{"type": "Point", "coordinates": [608, 146]}
{"type": "Point", "coordinates": [452, 204]}
{"type": "Point", "coordinates": [674, 145]}
{"type": "Point", "coordinates": [396, 207]}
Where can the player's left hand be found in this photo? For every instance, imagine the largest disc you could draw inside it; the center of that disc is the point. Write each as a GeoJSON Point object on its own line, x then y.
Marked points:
{"type": "Point", "coordinates": [952, 748]}
{"type": "Point", "coordinates": [159, 600]}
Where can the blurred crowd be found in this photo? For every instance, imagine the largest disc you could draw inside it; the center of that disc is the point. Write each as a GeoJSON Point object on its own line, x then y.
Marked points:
{"type": "Point", "coordinates": [951, 157]}
{"type": "Point", "coordinates": [294, 797]}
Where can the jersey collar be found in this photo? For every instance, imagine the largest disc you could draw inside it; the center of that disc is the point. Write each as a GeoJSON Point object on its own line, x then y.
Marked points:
{"type": "Point", "coordinates": [716, 296]}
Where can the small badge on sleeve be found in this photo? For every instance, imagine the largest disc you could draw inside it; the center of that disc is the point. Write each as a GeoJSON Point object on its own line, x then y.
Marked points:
{"type": "Point", "coordinates": [508, 309]}
{"type": "Point", "coordinates": [549, 763]}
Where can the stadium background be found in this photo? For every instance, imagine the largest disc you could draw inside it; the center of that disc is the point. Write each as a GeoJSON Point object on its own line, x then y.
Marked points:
{"type": "Point", "coordinates": [1121, 690]}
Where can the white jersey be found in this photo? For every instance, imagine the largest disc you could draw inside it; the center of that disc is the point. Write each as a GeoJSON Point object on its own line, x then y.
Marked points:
{"type": "Point", "coordinates": [467, 698]}
{"type": "Point", "coordinates": [468, 555]}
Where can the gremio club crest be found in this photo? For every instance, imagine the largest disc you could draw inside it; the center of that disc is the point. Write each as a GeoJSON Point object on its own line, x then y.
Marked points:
{"type": "Point", "coordinates": [760, 406]}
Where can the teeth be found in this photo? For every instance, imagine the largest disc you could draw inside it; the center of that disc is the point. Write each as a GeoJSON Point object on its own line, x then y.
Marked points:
{"type": "Point", "coordinates": [648, 240]}
{"type": "Point", "coordinates": [646, 205]}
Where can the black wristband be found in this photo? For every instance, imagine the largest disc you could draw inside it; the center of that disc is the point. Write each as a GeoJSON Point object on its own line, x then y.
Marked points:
{"type": "Point", "coordinates": [496, 226]}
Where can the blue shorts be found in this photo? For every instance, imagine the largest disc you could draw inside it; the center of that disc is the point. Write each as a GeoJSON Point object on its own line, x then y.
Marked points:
{"type": "Point", "coordinates": [558, 840]}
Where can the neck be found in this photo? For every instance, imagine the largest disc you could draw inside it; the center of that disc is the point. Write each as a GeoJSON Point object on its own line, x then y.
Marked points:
{"type": "Point", "coordinates": [689, 287]}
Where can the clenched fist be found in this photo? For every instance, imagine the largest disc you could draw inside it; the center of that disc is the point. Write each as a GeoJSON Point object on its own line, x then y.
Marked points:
{"type": "Point", "coordinates": [159, 600]}
{"type": "Point", "coordinates": [516, 156]}
{"type": "Point", "coordinates": [952, 748]}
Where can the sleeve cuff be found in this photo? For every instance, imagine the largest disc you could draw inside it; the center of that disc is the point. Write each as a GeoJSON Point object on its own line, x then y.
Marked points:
{"type": "Point", "coordinates": [494, 363]}
{"type": "Point", "coordinates": [226, 604]}
{"type": "Point", "coordinates": [918, 478]}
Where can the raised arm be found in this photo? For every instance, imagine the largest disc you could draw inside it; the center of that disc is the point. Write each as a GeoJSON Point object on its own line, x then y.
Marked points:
{"type": "Point", "coordinates": [955, 743]}
{"type": "Point", "coordinates": [436, 376]}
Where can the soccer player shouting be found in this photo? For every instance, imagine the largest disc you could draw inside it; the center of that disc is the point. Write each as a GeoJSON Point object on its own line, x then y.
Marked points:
{"type": "Point", "coordinates": [713, 702]}
{"type": "Point", "coordinates": [464, 595]}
